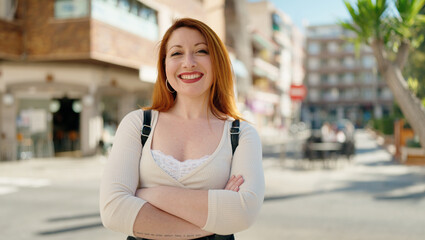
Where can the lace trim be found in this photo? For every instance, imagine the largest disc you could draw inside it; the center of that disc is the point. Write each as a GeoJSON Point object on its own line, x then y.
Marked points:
{"type": "Point", "coordinates": [174, 167]}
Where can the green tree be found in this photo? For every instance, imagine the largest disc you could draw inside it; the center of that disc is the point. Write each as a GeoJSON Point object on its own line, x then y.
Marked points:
{"type": "Point", "coordinates": [392, 31]}
{"type": "Point", "coordinates": [415, 68]}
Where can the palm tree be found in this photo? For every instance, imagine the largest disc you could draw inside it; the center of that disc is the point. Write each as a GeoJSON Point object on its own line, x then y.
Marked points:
{"type": "Point", "coordinates": [392, 31]}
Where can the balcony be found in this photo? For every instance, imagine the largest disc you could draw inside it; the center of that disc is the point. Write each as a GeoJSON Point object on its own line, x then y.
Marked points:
{"type": "Point", "coordinates": [342, 85]}
{"type": "Point", "coordinates": [339, 69]}
{"type": "Point", "coordinates": [265, 69]}
{"type": "Point", "coordinates": [78, 31]}
{"type": "Point", "coordinates": [142, 24]}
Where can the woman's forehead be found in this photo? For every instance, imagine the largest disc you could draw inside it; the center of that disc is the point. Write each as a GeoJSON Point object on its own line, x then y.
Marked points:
{"type": "Point", "coordinates": [185, 36]}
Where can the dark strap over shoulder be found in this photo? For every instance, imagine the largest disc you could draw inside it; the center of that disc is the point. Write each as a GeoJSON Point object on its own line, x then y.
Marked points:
{"type": "Point", "coordinates": [234, 135]}
{"type": "Point", "coordinates": [146, 130]}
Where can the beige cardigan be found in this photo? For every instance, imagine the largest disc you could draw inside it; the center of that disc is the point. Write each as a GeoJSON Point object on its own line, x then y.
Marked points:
{"type": "Point", "coordinates": [228, 211]}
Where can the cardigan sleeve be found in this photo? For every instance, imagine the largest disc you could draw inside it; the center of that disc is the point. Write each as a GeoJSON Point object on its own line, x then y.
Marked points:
{"type": "Point", "coordinates": [231, 212]}
{"type": "Point", "coordinates": [118, 205]}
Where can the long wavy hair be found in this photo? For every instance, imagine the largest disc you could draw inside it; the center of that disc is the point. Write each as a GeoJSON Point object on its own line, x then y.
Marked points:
{"type": "Point", "coordinates": [222, 99]}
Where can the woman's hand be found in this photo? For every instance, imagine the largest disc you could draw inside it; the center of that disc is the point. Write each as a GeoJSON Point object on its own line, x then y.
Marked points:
{"type": "Point", "coordinates": [141, 193]}
{"type": "Point", "coordinates": [234, 183]}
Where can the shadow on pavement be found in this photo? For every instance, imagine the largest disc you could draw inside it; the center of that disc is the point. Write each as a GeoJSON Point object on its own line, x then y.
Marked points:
{"type": "Point", "coordinates": [409, 186]}
{"type": "Point", "coordinates": [290, 196]}
{"type": "Point", "coordinates": [381, 163]}
{"type": "Point", "coordinates": [367, 150]}
{"type": "Point", "coordinates": [70, 229]}
{"type": "Point", "coordinates": [412, 196]}
{"type": "Point", "coordinates": [95, 216]}
{"type": "Point", "coordinates": [91, 215]}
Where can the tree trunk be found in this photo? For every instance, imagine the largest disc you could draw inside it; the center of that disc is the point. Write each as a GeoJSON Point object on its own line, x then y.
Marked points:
{"type": "Point", "coordinates": [409, 104]}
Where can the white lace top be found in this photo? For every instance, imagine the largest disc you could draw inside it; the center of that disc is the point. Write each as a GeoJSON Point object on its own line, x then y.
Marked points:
{"type": "Point", "coordinates": [174, 167]}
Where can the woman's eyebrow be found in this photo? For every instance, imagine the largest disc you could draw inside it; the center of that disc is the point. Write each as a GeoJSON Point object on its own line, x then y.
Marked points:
{"type": "Point", "coordinates": [175, 46]}
{"type": "Point", "coordinates": [200, 43]}
{"type": "Point", "coordinates": [180, 46]}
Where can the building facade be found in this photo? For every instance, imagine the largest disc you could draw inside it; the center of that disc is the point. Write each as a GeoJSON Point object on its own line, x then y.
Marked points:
{"type": "Point", "coordinates": [341, 84]}
{"type": "Point", "coordinates": [277, 63]}
{"type": "Point", "coordinates": [70, 70]}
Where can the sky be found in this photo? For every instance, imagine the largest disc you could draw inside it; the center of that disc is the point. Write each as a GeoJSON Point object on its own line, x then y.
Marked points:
{"type": "Point", "coordinates": [313, 12]}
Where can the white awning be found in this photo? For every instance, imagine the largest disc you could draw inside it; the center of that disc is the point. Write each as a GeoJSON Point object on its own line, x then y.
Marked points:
{"type": "Point", "coordinates": [239, 68]}
{"type": "Point", "coordinates": [147, 74]}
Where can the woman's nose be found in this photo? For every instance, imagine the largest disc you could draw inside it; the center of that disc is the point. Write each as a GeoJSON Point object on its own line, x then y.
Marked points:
{"type": "Point", "coordinates": [189, 61]}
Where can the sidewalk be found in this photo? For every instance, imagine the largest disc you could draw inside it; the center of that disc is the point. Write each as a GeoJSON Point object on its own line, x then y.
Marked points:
{"type": "Point", "coordinates": [63, 168]}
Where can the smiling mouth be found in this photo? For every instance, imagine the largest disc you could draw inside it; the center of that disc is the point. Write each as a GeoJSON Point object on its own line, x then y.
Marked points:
{"type": "Point", "coordinates": [191, 78]}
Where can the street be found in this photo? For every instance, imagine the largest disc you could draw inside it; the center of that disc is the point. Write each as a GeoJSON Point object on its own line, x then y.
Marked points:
{"type": "Point", "coordinates": [369, 197]}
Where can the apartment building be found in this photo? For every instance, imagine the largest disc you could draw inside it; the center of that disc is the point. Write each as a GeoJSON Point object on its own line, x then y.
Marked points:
{"type": "Point", "coordinates": [341, 84]}
{"type": "Point", "coordinates": [71, 69]}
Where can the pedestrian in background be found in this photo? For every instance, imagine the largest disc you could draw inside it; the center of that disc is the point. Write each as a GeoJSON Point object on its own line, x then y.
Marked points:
{"type": "Point", "coordinates": [185, 182]}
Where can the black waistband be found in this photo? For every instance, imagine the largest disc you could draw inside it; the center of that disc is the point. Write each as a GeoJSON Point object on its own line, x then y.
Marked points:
{"type": "Point", "coordinates": [211, 237]}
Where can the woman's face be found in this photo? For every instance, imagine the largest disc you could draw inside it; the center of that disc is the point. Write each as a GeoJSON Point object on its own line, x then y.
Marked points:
{"type": "Point", "coordinates": [188, 64]}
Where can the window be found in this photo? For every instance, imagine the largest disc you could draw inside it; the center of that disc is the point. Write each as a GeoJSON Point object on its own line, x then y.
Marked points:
{"type": "Point", "coordinates": [333, 62]}
{"type": "Point", "coordinates": [147, 13]}
{"type": "Point", "coordinates": [313, 79]}
{"type": "Point", "coordinates": [313, 63]}
{"type": "Point", "coordinates": [313, 48]}
{"type": "Point", "coordinates": [135, 6]}
{"type": "Point", "coordinates": [385, 94]}
{"type": "Point", "coordinates": [333, 47]}
{"type": "Point", "coordinates": [124, 5]}
{"type": "Point", "coordinates": [344, 94]}
{"type": "Point", "coordinates": [314, 95]}
{"type": "Point", "coordinates": [323, 47]}
{"type": "Point", "coordinates": [349, 47]}
{"type": "Point", "coordinates": [333, 79]}
{"type": "Point", "coordinates": [324, 79]}
{"type": "Point", "coordinates": [324, 63]}
{"type": "Point", "coordinates": [368, 77]}
{"type": "Point", "coordinates": [348, 78]}
{"type": "Point", "coordinates": [71, 8]}
{"type": "Point", "coordinates": [367, 94]}
{"type": "Point", "coordinates": [349, 62]}
{"type": "Point", "coordinates": [331, 94]}
{"type": "Point", "coordinates": [368, 61]}
{"type": "Point", "coordinates": [276, 21]}
{"type": "Point", "coordinates": [7, 9]}
{"type": "Point", "coordinates": [129, 15]}
{"type": "Point", "coordinates": [351, 94]}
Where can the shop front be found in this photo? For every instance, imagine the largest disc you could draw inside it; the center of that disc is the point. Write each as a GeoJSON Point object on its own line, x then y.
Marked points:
{"type": "Point", "coordinates": [43, 120]}
{"type": "Point", "coordinates": [59, 109]}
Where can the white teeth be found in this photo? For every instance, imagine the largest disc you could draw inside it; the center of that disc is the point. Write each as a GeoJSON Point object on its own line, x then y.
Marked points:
{"type": "Point", "coordinates": [191, 76]}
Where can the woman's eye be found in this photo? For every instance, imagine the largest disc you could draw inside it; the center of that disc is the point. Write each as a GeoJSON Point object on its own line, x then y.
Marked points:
{"type": "Point", "coordinates": [203, 51]}
{"type": "Point", "coordinates": [175, 54]}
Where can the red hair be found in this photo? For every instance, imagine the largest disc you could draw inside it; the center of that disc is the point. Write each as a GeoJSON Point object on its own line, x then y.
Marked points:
{"type": "Point", "coordinates": [222, 99]}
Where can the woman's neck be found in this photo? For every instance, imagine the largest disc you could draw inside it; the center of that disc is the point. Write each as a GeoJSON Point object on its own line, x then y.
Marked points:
{"type": "Point", "coordinates": [190, 108]}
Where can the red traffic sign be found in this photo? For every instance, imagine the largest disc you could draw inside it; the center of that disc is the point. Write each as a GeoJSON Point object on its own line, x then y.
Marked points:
{"type": "Point", "coordinates": [297, 92]}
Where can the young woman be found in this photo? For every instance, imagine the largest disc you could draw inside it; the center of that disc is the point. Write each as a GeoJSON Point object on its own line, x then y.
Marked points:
{"type": "Point", "coordinates": [185, 182]}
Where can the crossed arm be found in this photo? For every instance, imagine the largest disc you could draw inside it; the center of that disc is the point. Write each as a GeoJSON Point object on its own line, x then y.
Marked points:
{"type": "Point", "coordinates": [175, 213]}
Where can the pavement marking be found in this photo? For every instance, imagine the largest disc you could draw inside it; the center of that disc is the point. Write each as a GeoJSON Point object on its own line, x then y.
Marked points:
{"type": "Point", "coordinates": [25, 182]}
{"type": "Point", "coordinates": [404, 191]}
{"type": "Point", "coordinates": [11, 185]}
{"type": "Point", "coordinates": [6, 189]}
